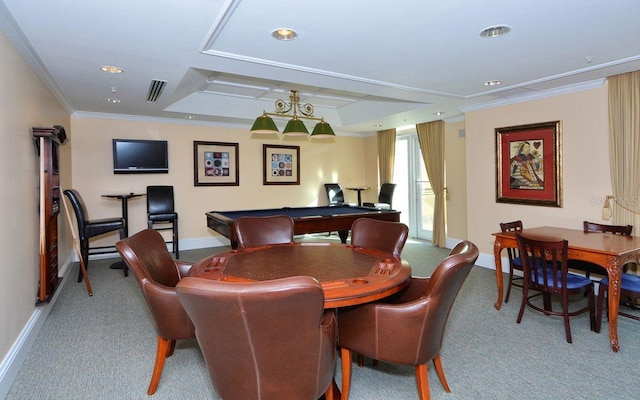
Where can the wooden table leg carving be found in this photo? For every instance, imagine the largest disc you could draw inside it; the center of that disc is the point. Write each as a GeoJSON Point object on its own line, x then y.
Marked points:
{"type": "Point", "coordinates": [614, 301]}
{"type": "Point", "coordinates": [497, 249]}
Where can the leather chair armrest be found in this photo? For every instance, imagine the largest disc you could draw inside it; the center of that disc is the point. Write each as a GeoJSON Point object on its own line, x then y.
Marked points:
{"type": "Point", "coordinates": [169, 315]}
{"type": "Point", "coordinates": [183, 268]}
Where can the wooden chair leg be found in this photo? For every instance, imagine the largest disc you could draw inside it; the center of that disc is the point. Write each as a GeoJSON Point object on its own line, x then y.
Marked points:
{"type": "Point", "coordinates": [360, 359]}
{"type": "Point", "coordinates": [163, 349]}
{"type": "Point", "coordinates": [506, 298]}
{"type": "Point", "coordinates": [602, 298]}
{"type": "Point", "coordinates": [346, 373]}
{"type": "Point", "coordinates": [422, 381]}
{"type": "Point", "coordinates": [437, 362]}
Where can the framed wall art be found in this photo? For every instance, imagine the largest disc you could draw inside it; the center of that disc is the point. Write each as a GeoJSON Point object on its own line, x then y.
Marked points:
{"type": "Point", "coordinates": [215, 164]}
{"type": "Point", "coordinates": [281, 165]}
{"type": "Point", "coordinates": [529, 164]}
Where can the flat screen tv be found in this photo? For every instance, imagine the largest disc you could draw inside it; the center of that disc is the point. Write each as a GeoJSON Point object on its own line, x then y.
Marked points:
{"type": "Point", "coordinates": [132, 156]}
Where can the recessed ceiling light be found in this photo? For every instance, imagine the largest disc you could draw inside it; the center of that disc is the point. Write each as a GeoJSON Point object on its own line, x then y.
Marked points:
{"type": "Point", "coordinates": [495, 31]}
{"type": "Point", "coordinates": [284, 34]}
{"type": "Point", "coordinates": [113, 100]}
{"type": "Point", "coordinates": [439, 113]}
{"type": "Point", "coordinates": [189, 117]}
{"type": "Point", "coordinates": [492, 83]}
{"type": "Point", "coordinates": [110, 69]}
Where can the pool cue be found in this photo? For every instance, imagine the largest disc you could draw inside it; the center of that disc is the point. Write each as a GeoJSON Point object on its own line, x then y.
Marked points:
{"type": "Point", "coordinates": [42, 290]}
{"type": "Point", "coordinates": [76, 246]}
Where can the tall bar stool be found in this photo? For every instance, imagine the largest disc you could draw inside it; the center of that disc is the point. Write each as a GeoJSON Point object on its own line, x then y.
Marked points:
{"type": "Point", "coordinates": [161, 214]}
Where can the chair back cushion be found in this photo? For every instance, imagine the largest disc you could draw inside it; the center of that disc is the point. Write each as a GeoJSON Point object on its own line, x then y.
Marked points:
{"type": "Point", "coordinates": [335, 193]}
{"type": "Point", "coordinates": [385, 236]}
{"type": "Point", "coordinates": [160, 199]}
{"type": "Point", "coordinates": [260, 231]}
{"type": "Point", "coordinates": [78, 207]}
{"type": "Point", "coordinates": [386, 194]}
{"type": "Point", "coordinates": [146, 255]}
{"type": "Point", "coordinates": [263, 340]}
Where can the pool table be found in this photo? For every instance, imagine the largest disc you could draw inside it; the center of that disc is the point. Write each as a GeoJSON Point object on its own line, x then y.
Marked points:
{"type": "Point", "coordinates": [306, 219]}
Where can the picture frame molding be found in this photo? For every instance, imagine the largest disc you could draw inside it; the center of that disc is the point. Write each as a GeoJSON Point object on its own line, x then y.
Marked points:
{"type": "Point", "coordinates": [268, 150]}
{"type": "Point", "coordinates": [200, 177]}
{"type": "Point", "coordinates": [547, 164]}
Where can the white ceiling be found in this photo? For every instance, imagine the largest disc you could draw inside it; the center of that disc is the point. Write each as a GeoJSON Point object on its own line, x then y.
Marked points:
{"type": "Point", "coordinates": [359, 62]}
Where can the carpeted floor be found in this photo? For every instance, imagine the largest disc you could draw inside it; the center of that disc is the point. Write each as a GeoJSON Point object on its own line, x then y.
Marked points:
{"type": "Point", "coordinates": [103, 347]}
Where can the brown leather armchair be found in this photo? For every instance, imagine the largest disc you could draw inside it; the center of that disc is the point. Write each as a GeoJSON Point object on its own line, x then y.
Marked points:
{"type": "Point", "coordinates": [422, 310]}
{"type": "Point", "coordinates": [157, 274]}
{"type": "Point", "coordinates": [386, 236]}
{"type": "Point", "coordinates": [264, 340]}
{"type": "Point", "coordinates": [260, 231]}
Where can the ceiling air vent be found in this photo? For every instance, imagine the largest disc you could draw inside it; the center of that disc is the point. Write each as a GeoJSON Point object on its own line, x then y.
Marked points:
{"type": "Point", "coordinates": [155, 90]}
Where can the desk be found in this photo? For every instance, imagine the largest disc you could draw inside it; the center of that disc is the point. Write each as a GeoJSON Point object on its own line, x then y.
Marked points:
{"type": "Point", "coordinates": [124, 198]}
{"type": "Point", "coordinates": [306, 219]}
{"type": "Point", "coordinates": [605, 249]}
{"type": "Point", "coordinates": [359, 190]}
{"type": "Point", "coordinates": [349, 275]}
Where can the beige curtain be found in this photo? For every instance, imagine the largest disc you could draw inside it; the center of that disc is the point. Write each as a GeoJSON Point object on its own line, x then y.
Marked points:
{"type": "Point", "coordinates": [386, 155]}
{"type": "Point", "coordinates": [431, 138]}
{"type": "Point", "coordinates": [624, 147]}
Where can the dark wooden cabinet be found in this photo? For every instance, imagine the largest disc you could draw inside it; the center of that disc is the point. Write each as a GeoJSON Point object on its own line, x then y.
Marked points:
{"type": "Point", "coordinates": [47, 142]}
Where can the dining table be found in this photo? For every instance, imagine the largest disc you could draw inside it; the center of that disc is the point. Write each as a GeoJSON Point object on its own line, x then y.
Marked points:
{"type": "Point", "coordinates": [349, 275]}
{"type": "Point", "coordinates": [608, 250]}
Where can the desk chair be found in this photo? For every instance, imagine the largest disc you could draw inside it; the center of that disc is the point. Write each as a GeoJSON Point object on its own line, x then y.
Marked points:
{"type": "Point", "coordinates": [161, 212]}
{"type": "Point", "coordinates": [408, 327]}
{"type": "Point", "coordinates": [546, 271]}
{"type": "Point", "coordinates": [264, 340]}
{"type": "Point", "coordinates": [260, 231]}
{"type": "Point", "coordinates": [385, 197]}
{"type": "Point", "coordinates": [157, 275]}
{"type": "Point", "coordinates": [587, 267]}
{"type": "Point", "coordinates": [88, 229]}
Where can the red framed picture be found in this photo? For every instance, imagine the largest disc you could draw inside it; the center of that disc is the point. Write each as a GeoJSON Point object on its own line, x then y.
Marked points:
{"type": "Point", "coordinates": [529, 164]}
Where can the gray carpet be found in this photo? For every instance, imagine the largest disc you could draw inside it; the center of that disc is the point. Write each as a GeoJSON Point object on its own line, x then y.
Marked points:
{"type": "Point", "coordinates": [103, 348]}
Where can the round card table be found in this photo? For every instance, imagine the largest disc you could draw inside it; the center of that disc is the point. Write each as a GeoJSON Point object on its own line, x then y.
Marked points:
{"type": "Point", "coordinates": [349, 275]}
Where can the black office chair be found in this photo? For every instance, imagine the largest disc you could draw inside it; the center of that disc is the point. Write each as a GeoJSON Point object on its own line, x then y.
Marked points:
{"type": "Point", "coordinates": [385, 197]}
{"type": "Point", "coordinates": [335, 193]}
{"type": "Point", "coordinates": [161, 212]}
{"type": "Point", "coordinates": [90, 228]}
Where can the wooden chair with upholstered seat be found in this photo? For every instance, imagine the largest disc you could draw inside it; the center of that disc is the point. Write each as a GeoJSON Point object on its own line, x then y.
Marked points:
{"type": "Point", "coordinates": [261, 231]}
{"type": "Point", "coordinates": [515, 261]}
{"type": "Point", "coordinates": [592, 227]}
{"type": "Point", "coordinates": [157, 274]}
{"type": "Point", "coordinates": [264, 340]}
{"type": "Point", "coordinates": [421, 310]}
{"type": "Point", "coordinates": [629, 294]}
{"type": "Point", "coordinates": [546, 271]}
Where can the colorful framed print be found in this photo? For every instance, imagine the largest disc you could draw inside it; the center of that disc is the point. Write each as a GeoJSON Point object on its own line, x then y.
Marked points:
{"type": "Point", "coordinates": [215, 164]}
{"type": "Point", "coordinates": [281, 165]}
{"type": "Point", "coordinates": [529, 164]}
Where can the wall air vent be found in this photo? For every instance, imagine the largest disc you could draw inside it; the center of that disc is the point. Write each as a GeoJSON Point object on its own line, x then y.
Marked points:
{"type": "Point", "coordinates": [155, 90]}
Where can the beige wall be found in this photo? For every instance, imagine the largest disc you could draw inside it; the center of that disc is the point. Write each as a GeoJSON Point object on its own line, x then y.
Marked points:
{"type": "Point", "coordinates": [26, 102]}
{"type": "Point", "coordinates": [586, 178]}
{"type": "Point", "coordinates": [456, 164]}
{"type": "Point", "coordinates": [343, 159]}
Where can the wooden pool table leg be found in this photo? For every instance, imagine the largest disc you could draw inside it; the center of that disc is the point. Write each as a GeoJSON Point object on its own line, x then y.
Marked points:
{"type": "Point", "coordinates": [343, 236]}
